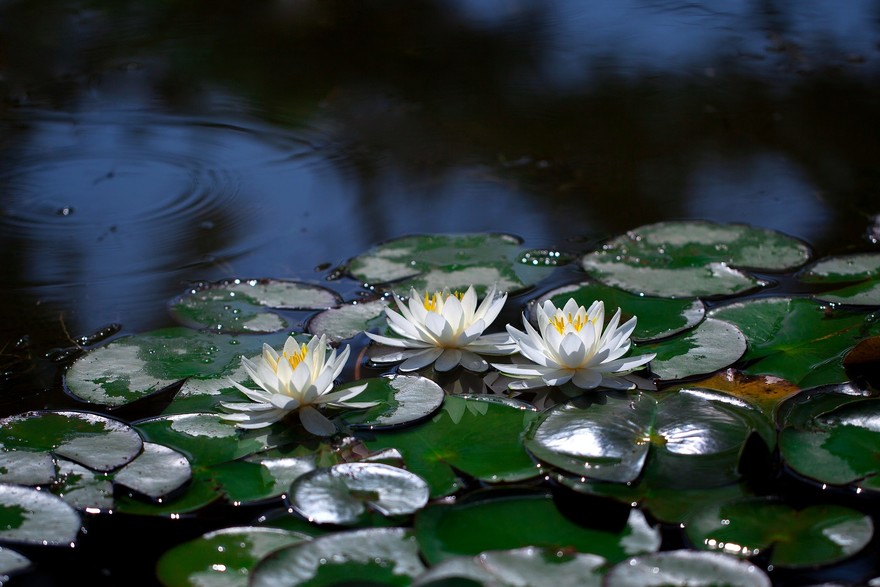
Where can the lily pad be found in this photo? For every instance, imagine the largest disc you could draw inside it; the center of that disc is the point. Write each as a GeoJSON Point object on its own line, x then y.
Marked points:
{"type": "Point", "coordinates": [656, 317]}
{"type": "Point", "coordinates": [156, 472]}
{"type": "Point", "coordinates": [402, 399]}
{"type": "Point", "coordinates": [692, 258]}
{"type": "Point", "coordinates": [843, 269]}
{"type": "Point", "coordinates": [515, 521]}
{"type": "Point", "coordinates": [797, 339]}
{"type": "Point", "coordinates": [28, 516]}
{"type": "Point", "coordinates": [349, 320]}
{"type": "Point", "coordinates": [816, 535]}
{"type": "Point", "coordinates": [243, 305]}
{"type": "Point", "coordinates": [381, 556]}
{"type": "Point", "coordinates": [713, 345]}
{"type": "Point", "coordinates": [341, 494]}
{"type": "Point", "coordinates": [519, 567]}
{"type": "Point", "coordinates": [26, 467]}
{"type": "Point", "coordinates": [695, 437]}
{"type": "Point", "coordinates": [766, 392]}
{"type": "Point", "coordinates": [12, 563]}
{"type": "Point", "coordinates": [480, 439]}
{"type": "Point", "coordinates": [258, 477]}
{"type": "Point", "coordinates": [223, 557]}
{"type": "Point", "coordinates": [436, 261]}
{"type": "Point", "coordinates": [686, 568]}
{"type": "Point", "coordinates": [837, 447]}
{"type": "Point", "coordinates": [97, 442]}
{"type": "Point", "coordinates": [135, 367]}
{"type": "Point", "coordinates": [83, 488]}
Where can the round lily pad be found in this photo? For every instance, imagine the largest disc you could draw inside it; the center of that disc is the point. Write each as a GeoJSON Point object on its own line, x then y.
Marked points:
{"type": "Point", "coordinates": [513, 521]}
{"type": "Point", "coordinates": [519, 567]}
{"type": "Point", "coordinates": [843, 269]}
{"type": "Point", "coordinates": [97, 442]}
{"type": "Point", "coordinates": [135, 367]}
{"type": "Point", "coordinates": [342, 493]}
{"type": "Point", "coordinates": [837, 447]}
{"type": "Point", "coordinates": [436, 261]}
{"type": "Point", "coordinates": [348, 320]}
{"type": "Point", "coordinates": [692, 258]}
{"type": "Point", "coordinates": [686, 568]}
{"type": "Point", "coordinates": [402, 399]}
{"type": "Point", "coordinates": [816, 535]}
{"type": "Point", "coordinates": [12, 563]}
{"type": "Point", "coordinates": [712, 345]}
{"type": "Point", "coordinates": [797, 339]}
{"type": "Point", "coordinates": [381, 556]}
{"type": "Point", "coordinates": [223, 557]}
{"type": "Point", "coordinates": [243, 305]}
{"type": "Point", "coordinates": [156, 472]}
{"type": "Point", "coordinates": [656, 317]}
{"type": "Point", "coordinates": [28, 516]}
{"type": "Point", "coordinates": [695, 437]}
{"type": "Point", "coordinates": [481, 439]}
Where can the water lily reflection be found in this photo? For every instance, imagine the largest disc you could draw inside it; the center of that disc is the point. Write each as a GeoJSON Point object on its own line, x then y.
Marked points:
{"type": "Point", "coordinates": [572, 344]}
{"type": "Point", "coordinates": [445, 329]}
{"type": "Point", "coordinates": [298, 380]}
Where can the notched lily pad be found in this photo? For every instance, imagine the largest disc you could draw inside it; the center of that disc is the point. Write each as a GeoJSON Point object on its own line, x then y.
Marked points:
{"type": "Point", "coordinates": [402, 399]}
{"type": "Point", "coordinates": [816, 535]}
{"type": "Point", "coordinates": [656, 317]}
{"type": "Point", "coordinates": [97, 442]}
{"type": "Point", "coordinates": [350, 319]}
{"type": "Point", "coordinates": [341, 494]}
{"type": "Point", "coordinates": [437, 261]}
{"type": "Point", "coordinates": [244, 305]}
{"type": "Point", "coordinates": [692, 258]}
{"type": "Point", "coordinates": [223, 557]}
{"type": "Point", "coordinates": [712, 345]}
{"type": "Point", "coordinates": [797, 339]}
{"type": "Point", "coordinates": [686, 568]}
{"type": "Point", "coordinates": [381, 556]}
{"type": "Point", "coordinates": [138, 366]}
{"type": "Point", "coordinates": [695, 437]}
{"type": "Point", "coordinates": [28, 516]}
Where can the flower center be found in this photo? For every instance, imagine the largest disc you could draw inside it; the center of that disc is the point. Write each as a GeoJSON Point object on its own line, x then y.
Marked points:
{"type": "Point", "coordinates": [297, 358]}
{"type": "Point", "coordinates": [560, 321]}
{"type": "Point", "coordinates": [434, 302]}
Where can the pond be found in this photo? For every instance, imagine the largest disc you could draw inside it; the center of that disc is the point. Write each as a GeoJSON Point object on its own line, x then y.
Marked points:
{"type": "Point", "coordinates": [159, 159]}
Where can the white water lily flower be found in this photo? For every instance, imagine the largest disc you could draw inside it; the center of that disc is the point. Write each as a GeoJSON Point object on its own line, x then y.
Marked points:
{"type": "Point", "coordinates": [572, 344]}
{"type": "Point", "coordinates": [300, 379]}
{"type": "Point", "coordinates": [445, 329]}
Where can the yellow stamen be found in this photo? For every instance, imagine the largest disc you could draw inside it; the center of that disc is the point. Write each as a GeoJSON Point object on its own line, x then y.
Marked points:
{"type": "Point", "coordinates": [431, 301]}
{"type": "Point", "coordinates": [297, 358]}
{"type": "Point", "coordinates": [559, 322]}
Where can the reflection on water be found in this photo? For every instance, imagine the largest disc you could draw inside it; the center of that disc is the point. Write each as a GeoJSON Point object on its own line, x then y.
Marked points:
{"type": "Point", "coordinates": [146, 146]}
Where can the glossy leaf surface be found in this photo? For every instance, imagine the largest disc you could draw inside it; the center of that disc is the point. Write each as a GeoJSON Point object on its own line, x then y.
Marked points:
{"type": "Point", "coordinates": [686, 568]}
{"type": "Point", "coordinates": [712, 345]}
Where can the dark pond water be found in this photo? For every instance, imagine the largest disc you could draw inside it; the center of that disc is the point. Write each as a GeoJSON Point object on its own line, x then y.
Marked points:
{"type": "Point", "coordinates": [148, 145]}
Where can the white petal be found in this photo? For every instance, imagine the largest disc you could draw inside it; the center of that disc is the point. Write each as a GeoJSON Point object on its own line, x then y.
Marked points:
{"type": "Point", "coordinates": [438, 327]}
{"type": "Point", "coordinates": [469, 303]}
{"type": "Point", "coordinates": [518, 369]}
{"type": "Point", "coordinates": [301, 376]}
{"type": "Point", "coordinates": [448, 360]}
{"type": "Point", "coordinates": [572, 351]}
{"type": "Point", "coordinates": [557, 377]}
{"type": "Point", "coordinates": [420, 359]}
{"type": "Point", "coordinates": [453, 314]}
{"type": "Point", "coordinates": [398, 342]}
{"type": "Point", "coordinates": [616, 383]}
{"type": "Point", "coordinates": [257, 395]}
{"type": "Point", "coordinates": [315, 422]}
{"type": "Point", "coordinates": [402, 326]}
{"type": "Point", "coordinates": [627, 364]}
{"type": "Point", "coordinates": [393, 356]}
{"type": "Point", "coordinates": [473, 362]}
{"type": "Point", "coordinates": [587, 379]}
{"type": "Point", "coordinates": [284, 402]}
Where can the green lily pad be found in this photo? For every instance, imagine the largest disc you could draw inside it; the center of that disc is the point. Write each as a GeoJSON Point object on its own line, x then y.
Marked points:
{"type": "Point", "coordinates": [513, 521]}
{"type": "Point", "coordinates": [97, 442]}
{"type": "Point", "coordinates": [843, 269]}
{"type": "Point", "coordinates": [437, 261]}
{"type": "Point", "coordinates": [695, 437]}
{"type": "Point", "coordinates": [713, 345]}
{"type": "Point", "coordinates": [12, 563]}
{"type": "Point", "coordinates": [258, 477]}
{"type": "Point", "coordinates": [201, 491]}
{"type": "Point", "coordinates": [692, 258]}
{"type": "Point", "coordinates": [135, 367]}
{"type": "Point", "coordinates": [657, 317]}
{"type": "Point", "coordinates": [223, 557]}
{"type": "Point", "coordinates": [402, 399]}
{"type": "Point", "coordinates": [243, 305]}
{"type": "Point", "coordinates": [83, 488]}
{"type": "Point", "coordinates": [28, 516]}
{"type": "Point", "coordinates": [381, 556]}
{"type": "Point", "coordinates": [686, 568]}
{"type": "Point", "coordinates": [341, 494]}
{"type": "Point", "coordinates": [26, 467]}
{"type": "Point", "coordinates": [349, 320]}
{"type": "Point", "coordinates": [481, 439]}
{"type": "Point", "coordinates": [799, 410]}
{"type": "Point", "coordinates": [519, 567]}
{"type": "Point", "coordinates": [797, 339]}
{"type": "Point", "coordinates": [816, 535]}
{"type": "Point", "coordinates": [156, 472]}
{"type": "Point", "coordinates": [837, 447]}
